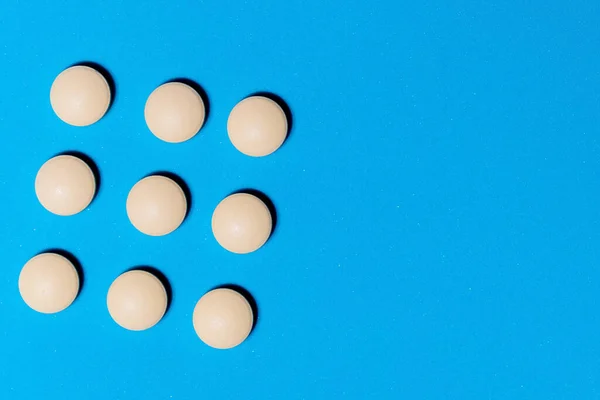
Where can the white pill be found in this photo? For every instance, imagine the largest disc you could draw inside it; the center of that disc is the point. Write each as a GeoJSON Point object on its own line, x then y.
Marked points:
{"type": "Point", "coordinates": [257, 126]}
{"type": "Point", "coordinates": [242, 223]}
{"type": "Point", "coordinates": [80, 95]}
{"type": "Point", "coordinates": [223, 318]}
{"type": "Point", "coordinates": [49, 283]}
{"type": "Point", "coordinates": [137, 300]}
{"type": "Point", "coordinates": [174, 112]}
{"type": "Point", "coordinates": [65, 185]}
{"type": "Point", "coordinates": [156, 205]}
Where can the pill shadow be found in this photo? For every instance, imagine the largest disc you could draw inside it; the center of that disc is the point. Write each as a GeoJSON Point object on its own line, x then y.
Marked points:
{"type": "Point", "coordinates": [90, 163]}
{"type": "Point", "coordinates": [265, 199]}
{"type": "Point", "coordinates": [106, 74]}
{"type": "Point", "coordinates": [249, 298]}
{"type": "Point", "coordinates": [184, 186]}
{"type": "Point", "coordinates": [162, 278]}
{"type": "Point", "coordinates": [69, 256]}
{"type": "Point", "coordinates": [284, 106]}
{"type": "Point", "coordinates": [200, 90]}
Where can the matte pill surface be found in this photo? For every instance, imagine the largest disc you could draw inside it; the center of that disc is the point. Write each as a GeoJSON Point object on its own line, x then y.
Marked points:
{"type": "Point", "coordinates": [137, 300]}
{"type": "Point", "coordinates": [65, 185]}
{"type": "Point", "coordinates": [48, 283]}
{"type": "Point", "coordinates": [241, 223]}
{"type": "Point", "coordinates": [156, 205]}
{"type": "Point", "coordinates": [223, 318]}
{"type": "Point", "coordinates": [174, 112]}
{"type": "Point", "coordinates": [257, 126]}
{"type": "Point", "coordinates": [80, 95]}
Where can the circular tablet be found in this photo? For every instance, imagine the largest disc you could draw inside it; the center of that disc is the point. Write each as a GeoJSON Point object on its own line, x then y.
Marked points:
{"type": "Point", "coordinates": [137, 300]}
{"type": "Point", "coordinates": [49, 283]}
{"type": "Point", "coordinates": [156, 205]}
{"type": "Point", "coordinates": [257, 126]}
{"type": "Point", "coordinates": [174, 112]}
{"type": "Point", "coordinates": [80, 95]}
{"type": "Point", "coordinates": [241, 223]}
{"type": "Point", "coordinates": [65, 185]}
{"type": "Point", "coordinates": [223, 318]}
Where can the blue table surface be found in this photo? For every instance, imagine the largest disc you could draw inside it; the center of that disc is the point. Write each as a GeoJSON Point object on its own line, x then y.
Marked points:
{"type": "Point", "coordinates": [438, 199]}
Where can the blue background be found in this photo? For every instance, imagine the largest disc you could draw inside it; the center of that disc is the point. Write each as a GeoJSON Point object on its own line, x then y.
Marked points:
{"type": "Point", "coordinates": [438, 199]}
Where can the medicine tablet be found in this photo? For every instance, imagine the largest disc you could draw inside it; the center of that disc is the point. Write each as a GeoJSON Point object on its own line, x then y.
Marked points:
{"type": "Point", "coordinates": [223, 318]}
{"type": "Point", "coordinates": [241, 223]}
{"type": "Point", "coordinates": [137, 300]}
{"type": "Point", "coordinates": [257, 126]}
{"type": "Point", "coordinates": [156, 205]}
{"type": "Point", "coordinates": [174, 112]}
{"type": "Point", "coordinates": [65, 185]}
{"type": "Point", "coordinates": [80, 95]}
{"type": "Point", "coordinates": [49, 283]}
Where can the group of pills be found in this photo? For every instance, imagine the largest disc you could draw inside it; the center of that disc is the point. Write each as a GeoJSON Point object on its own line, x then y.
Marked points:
{"type": "Point", "coordinates": [156, 205]}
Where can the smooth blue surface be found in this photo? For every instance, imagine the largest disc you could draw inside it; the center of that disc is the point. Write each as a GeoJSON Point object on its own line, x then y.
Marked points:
{"type": "Point", "coordinates": [438, 199]}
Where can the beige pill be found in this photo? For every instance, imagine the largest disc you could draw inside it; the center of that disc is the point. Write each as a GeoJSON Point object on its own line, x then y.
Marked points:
{"type": "Point", "coordinates": [65, 185]}
{"type": "Point", "coordinates": [241, 223]}
{"type": "Point", "coordinates": [223, 318]}
{"type": "Point", "coordinates": [80, 95]}
{"type": "Point", "coordinates": [174, 112]}
{"type": "Point", "coordinates": [156, 205]}
{"type": "Point", "coordinates": [137, 300]}
{"type": "Point", "coordinates": [49, 283]}
{"type": "Point", "coordinates": [257, 126]}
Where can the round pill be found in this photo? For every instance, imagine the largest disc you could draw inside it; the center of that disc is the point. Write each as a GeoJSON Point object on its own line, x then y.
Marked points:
{"type": "Point", "coordinates": [80, 95]}
{"type": "Point", "coordinates": [156, 205]}
{"type": "Point", "coordinates": [174, 112]}
{"type": "Point", "coordinates": [241, 223]}
{"type": "Point", "coordinates": [257, 126]}
{"type": "Point", "coordinates": [223, 318]}
{"type": "Point", "coordinates": [48, 283]}
{"type": "Point", "coordinates": [65, 185]}
{"type": "Point", "coordinates": [137, 300]}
